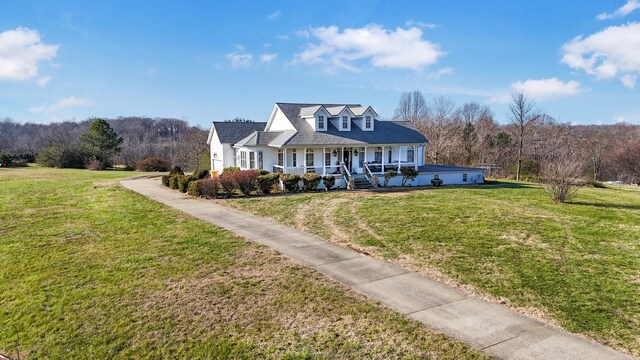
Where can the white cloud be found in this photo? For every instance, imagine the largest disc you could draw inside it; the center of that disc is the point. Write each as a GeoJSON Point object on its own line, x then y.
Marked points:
{"type": "Point", "coordinates": [341, 50]}
{"type": "Point", "coordinates": [420, 24]}
{"type": "Point", "coordinates": [42, 81]}
{"type": "Point", "coordinates": [62, 104]}
{"type": "Point", "coordinates": [540, 90]}
{"type": "Point", "coordinates": [612, 52]}
{"type": "Point", "coordinates": [283, 37]}
{"type": "Point", "coordinates": [274, 15]}
{"type": "Point", "coordinates": [619, 119]}
{"type": "Point", "coordinates": [267, 57]}
{"type": "Point", "coordinates": [239, 60]}
{"type": "Point", "coordinates": [21, 50]}
{"type": "Point", "coordinates": [440, 73]}
{"type": "Point", "coordinates": [626, 9]}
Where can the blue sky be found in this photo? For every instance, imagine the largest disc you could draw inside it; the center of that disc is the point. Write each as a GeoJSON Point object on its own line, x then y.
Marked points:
{"type": "Point", "coordinates": [206, 61]}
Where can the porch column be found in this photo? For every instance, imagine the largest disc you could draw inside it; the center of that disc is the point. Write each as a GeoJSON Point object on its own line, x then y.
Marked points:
{"type": "Point", "coordinates": [284, 161]}
{"type": "Point", "coordinates": [399, 157]}
{"type": "Point", "coordinates": [365, 154]}
{"type": "Point", "coordinates": [324, 161]}
{"type": "Point", "coordinates": [304, 158]}
{"type": "Point", "coordinates": [415, 157]}
{"type": "Point", "coordinates": [342, 159]}
{"type": "Point", "coordinates": [383, 156]}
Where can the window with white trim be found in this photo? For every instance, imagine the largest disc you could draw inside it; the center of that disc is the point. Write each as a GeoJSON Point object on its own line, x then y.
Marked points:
{"type": "Point", "coordinates": [260, 160]}
{"type": "Point", "coordinates": [345, 122]}
{"type": "Point", "coordinates": [377, 156]}
{"type": "Point", "coordinates": [464, 177]}
{"type": "Point", "coordinates": [281, 157]}
{"type": "Point", "coordinates": [327, 158]}
{"type": "Point", "coordinates": [321, 122]}
{"type": "Point", "coordinates": [295, 158]}
{"type": "Point", "coordinates": [309, 158]}
{"type": "Point", "coordinates": [252, 160]}
{"type": "Point", "coordinates": [243, 159]}
{"type": "Point", "coordinates": [367, 122]}
{"type": "Point", "coordinates": [410, 155]}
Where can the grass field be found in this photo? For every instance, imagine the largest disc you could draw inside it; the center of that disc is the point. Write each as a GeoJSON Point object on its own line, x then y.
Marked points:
{"type": "Point", "coordinates": [91, 270]}
{"type": "Point", "coordinates": [576, 265]}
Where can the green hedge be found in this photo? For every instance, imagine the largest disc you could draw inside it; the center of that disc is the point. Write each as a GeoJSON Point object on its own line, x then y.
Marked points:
{"type": "Point", "coordinates": [310, 181]}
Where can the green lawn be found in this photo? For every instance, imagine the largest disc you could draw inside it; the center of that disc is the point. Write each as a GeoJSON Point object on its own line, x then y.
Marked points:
{"type": "Point", "coordinates": [91, 270]}
{"type": "Point", "coordinates": [576, 264]}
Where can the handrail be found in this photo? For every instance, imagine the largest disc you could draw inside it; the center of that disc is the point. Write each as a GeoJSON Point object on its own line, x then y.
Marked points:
{"type": "Point", "coordinates": [345, 173]}
{"type": "Point", "coordinates": [369, 175]}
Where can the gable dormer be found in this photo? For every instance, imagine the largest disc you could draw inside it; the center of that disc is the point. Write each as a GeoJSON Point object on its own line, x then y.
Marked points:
{"type": "Point", "coordinates": [341, 117]}
{"type": "Point", "coordinates": [316, 116]}
{"type": "Point", "coordinates": [365, 117]}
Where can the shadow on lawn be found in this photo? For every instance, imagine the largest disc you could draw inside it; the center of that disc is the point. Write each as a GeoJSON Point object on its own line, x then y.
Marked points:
{"type": "Point", "coordinates": [607, 205]}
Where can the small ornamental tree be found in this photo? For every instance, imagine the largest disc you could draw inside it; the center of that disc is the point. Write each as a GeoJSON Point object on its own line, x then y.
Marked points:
{"type": "Point", "coordinates": [310, 181]}
{"type": "Point", "coordinates": [101, 142]}
{"type": "Point", "coordinates": [329, 181]}
{"type": "Point", "coordinates": [408, 174]}
{"type": "Point", "coordinates": [388, 175]}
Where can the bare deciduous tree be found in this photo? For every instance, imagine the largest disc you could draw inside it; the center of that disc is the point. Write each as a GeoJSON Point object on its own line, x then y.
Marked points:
{"type": "Point", "coordinates": [438, 128]}
{"type": "Point", "coordinates": [523, 115]}
{"type": "Point", "coordinates": [561, 177]}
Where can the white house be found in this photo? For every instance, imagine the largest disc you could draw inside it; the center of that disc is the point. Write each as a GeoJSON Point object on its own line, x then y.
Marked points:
{"type": "Point", "coordinates": [343, 140]}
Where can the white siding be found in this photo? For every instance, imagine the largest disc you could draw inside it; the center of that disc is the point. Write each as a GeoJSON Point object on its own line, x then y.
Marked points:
{"type": "Point", "coordinates": [279, 121]}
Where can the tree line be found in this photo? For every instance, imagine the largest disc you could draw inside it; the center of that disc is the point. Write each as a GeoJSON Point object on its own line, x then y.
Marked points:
{"type": "Point", "coordinates": [531, 141]}
{"type": "Point", "coordinates": [171, 140]}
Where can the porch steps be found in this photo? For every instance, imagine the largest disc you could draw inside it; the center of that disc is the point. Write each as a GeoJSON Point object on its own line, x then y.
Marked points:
{"type": "Point", "coordinates": [361, 182]}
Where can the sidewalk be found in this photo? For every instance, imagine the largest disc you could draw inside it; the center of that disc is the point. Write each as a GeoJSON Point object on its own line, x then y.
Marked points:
{"type": "Point", "coordinates": [492, 328]}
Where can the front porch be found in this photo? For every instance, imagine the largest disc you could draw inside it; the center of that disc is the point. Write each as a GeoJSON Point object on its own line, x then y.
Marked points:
{"type": "Point", "coordinates": [367, 160]}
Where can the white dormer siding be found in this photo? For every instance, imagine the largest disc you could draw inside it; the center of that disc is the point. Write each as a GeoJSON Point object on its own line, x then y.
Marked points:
{"type": "Point", "coordinates": [343, 120]}
{"type": "Point", "coordinates": [278, 121]}
{"type": "Point", "coordinates": [367, 121]}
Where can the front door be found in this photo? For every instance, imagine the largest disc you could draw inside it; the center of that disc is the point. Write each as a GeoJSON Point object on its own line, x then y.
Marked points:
{"type": "Point", "coordinates": [347, 159]}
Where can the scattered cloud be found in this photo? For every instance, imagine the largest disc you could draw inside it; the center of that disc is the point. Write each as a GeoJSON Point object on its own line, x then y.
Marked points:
{"type": "Point", "coordinates": [440, 73]}
{"type": "Point", "coordinates": [540, 90]}
{"type": "Point", "coordinates": [624, 10]}
{"type": "Point", "coordinates": [239, 60]}
{"type": "Point", "coordinates": [267, 57]}
{"type": "Point", "coordinates": [62, 104]}
{"type": "Point", "coordinates": [342, 50]}
{"type": "Point", "coordinates": [612, 52]}
{"type": "Point", "coordinates": [43, 80]}
{"type": "Point", "coordinates": [420, 24]}
{"type": "Point", "coordinates": [21, 50]}
{"type": "Point", "coordinates": [274, 15]}
{"type": "Point", "coordinates": [619, 119]}
{"type": "Point", "coordinates": [283, 37]}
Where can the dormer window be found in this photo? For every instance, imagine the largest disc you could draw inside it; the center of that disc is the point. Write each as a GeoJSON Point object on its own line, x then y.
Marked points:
{"type": "Point", "coordinates": [367, 122]}
{"type": "Point", "coordinates": [345, 122]}
{"type": "Point", "coordinates": [321, 122]}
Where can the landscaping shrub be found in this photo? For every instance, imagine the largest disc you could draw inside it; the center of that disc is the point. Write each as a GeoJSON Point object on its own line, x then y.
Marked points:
{"type": "Point", "coordinates": [310, 181]}
{"type": "Point", "coordinates": [388, 175]}
{"type": "Point", "coordinates": [176, 171]}
{"type": "Point", "coordinates": [94, 164]}
{"type": "Point", "coordinates": [291, 182]}
{"type": "Point", "coordinates": [329, 181]}
{"type": "Point", "coordinates": [152, 164]}
{"type": "Point", "coordinates": [597, 184]}
{"type": "Point", "coordinates": [173, 181]}
{"type": "Point", "coordinates": [228, 183]}
{"type": "Point", "coordinates": [266, 183]}
{"type": "Point", "coordinates": [263, 172]}
{"type": "Point", "coordinates": [165, 180]}
{"type": "Point", "coordinates": [408, 174]}
{"type": "Point", "coordinates": [61, 157]}
{"type": "Point", "coordinates": [193, 189]}
{"type": "Point", "coordinates": [209, 187]}
{"type": "Point", "coordinates": [201, 174]}
{"type": "Point", "coordinates": [230, 169]}
{"type": "Point", "coordinates": [183, 182]}
{"type": "Point", "coordinates": [246, 181]}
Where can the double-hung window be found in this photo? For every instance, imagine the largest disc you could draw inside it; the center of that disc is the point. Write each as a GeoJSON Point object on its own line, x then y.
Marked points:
{"type": "Point", "coordinates": [252, 160]}
{"type": "Point", "coordinates": [243, 159]}
{"type": "Point", "coordinates": [410, 155]}
{"type": "Point", "coordinates": [321, 122]}
{"type": "Point", "coordinates": [281, 157]}
{"type": "Point", "coordinates": [327, 158]}
{"type": "Point", "coordinates": [345, 122]}
{"type": "Point", "coordinates": [309, 159]}
{"type": "Point", "coordinates": [295, 158]}
{"type": "Point", "coordinates": [464, 177]}
{"type": "Point", "coordinates": [367, 122]}
{"type": "Point", "coordinates": [260, 161]}
{"type": "Point", "coordinates": [378, 156]}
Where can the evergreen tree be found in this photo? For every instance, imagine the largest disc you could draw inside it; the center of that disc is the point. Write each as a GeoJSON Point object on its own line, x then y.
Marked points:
{"type": "Point", "coordinates": [101, 142]}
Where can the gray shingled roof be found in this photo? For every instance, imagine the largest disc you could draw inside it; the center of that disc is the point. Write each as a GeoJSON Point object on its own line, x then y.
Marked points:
{"type": "Point", "coordinates": [232, 132]}
{"type": "Point", "coordinates": [386, 132]}
{"type": "Point", "coordinates": [263, 138]}
{"type": "Point", "coordinates": [446, 168]}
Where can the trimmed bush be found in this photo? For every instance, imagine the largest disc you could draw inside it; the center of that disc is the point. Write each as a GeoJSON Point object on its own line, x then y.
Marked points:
{"type": "Point", "coordinates": [266, 183]}
{"type": "Point", "coordinates": [246, 180]}
{"type": "Point", "coordinates": [291, 182]}
{"type": "Point", "coordinates": [165, 180]}
{"type": "Point", "coordinates": [310, 181]}
{"type": "Point", "coordinates": [61, 157]}
{"type": "Point", "coordinates": [201, 174]}
{"type": "Point", "coordinates": [183, 182]}
{"type": "Point", "coordinates": [263, 172]}
{"type": "Point", "coordinates": [329, 181]}
{"type": "Point", "coordinates": [176, 171]}
{"type": "Point", "coordinates": [173, 181]}
{"type": "Point", "coordinates": [209, 187]}
{"type": "Point", "coordinates": [193, 189]}
{"type": "Point", "coordinates": [228, 183]}
{"type": "Point", "coordinates": [408, 174]}
{"type": "Point", "coordinates": [152, 164]}
{"type": "Point", "coordinates": [388, 175]}
{"type": "Point", "coordinates": [230, 169]}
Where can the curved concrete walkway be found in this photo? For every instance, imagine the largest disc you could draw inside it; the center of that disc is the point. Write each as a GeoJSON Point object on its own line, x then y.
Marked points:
{"type": "Point", "coordinates": [492, 328]}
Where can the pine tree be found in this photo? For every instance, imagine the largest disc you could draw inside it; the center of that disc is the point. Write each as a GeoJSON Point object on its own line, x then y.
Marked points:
{"type": "Point", "coordinates": [101, 142]}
